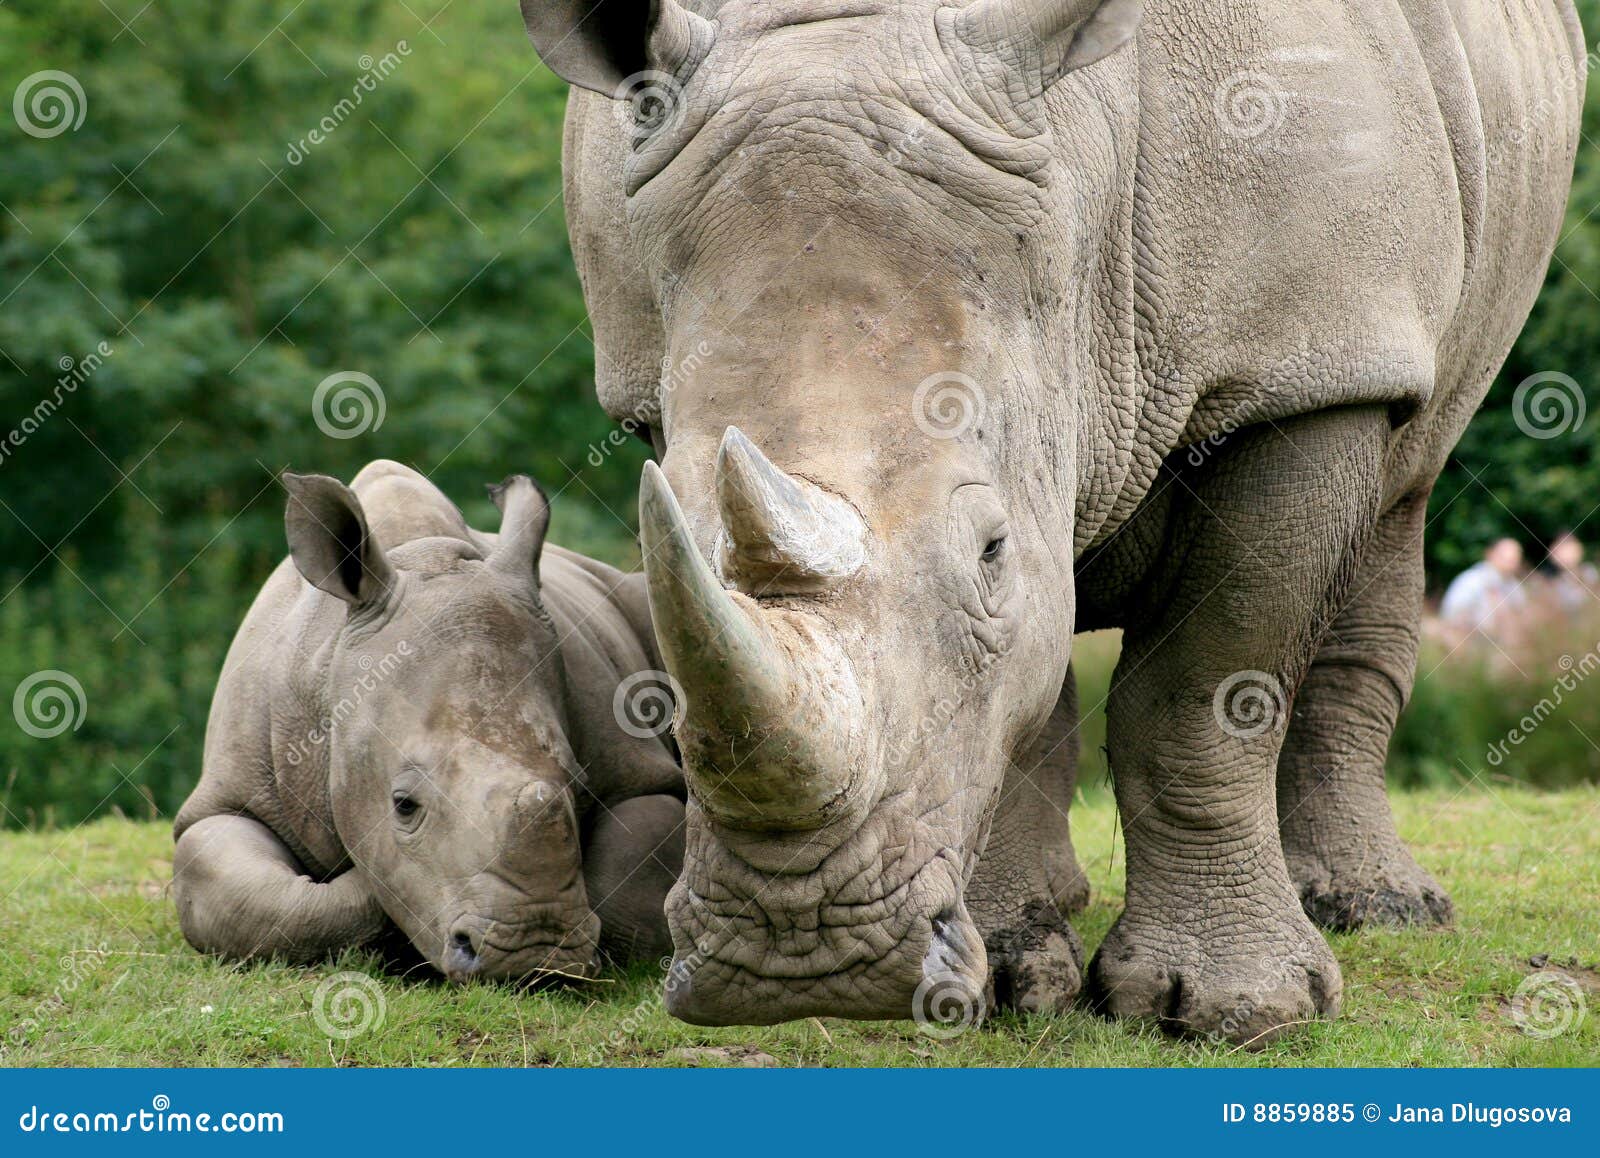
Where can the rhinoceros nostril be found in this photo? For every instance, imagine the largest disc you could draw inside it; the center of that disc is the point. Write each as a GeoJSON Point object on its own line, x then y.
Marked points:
{"type": "Point", "coordinates": [461, 954]}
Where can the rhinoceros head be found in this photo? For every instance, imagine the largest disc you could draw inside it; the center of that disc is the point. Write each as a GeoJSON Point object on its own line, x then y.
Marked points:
{"type": "Point", "coordinates": [860, 540]}
{"type": "Point", "coordinates": [450, 775]}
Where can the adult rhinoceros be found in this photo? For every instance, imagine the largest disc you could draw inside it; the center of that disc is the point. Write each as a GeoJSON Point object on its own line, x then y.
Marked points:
{"type": "Point", "coordinates": [1215, 293]}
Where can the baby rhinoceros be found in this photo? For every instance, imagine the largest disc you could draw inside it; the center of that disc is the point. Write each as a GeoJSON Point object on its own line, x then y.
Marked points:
{"type": "Point", "coordinates": [418, 726]}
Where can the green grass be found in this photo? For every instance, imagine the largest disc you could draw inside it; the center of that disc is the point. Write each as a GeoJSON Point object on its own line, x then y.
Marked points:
{"type": "Point", "coordinates": [93, 971]}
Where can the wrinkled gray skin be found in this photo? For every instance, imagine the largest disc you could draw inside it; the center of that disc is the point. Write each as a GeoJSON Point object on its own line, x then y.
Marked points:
{"type": "Point", "coordinates": [474, 786]}
{"type": "Point", "coordinates": [1228, 284]}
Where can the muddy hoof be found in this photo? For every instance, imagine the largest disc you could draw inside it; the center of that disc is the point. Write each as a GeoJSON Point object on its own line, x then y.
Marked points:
{"type": "Point", "coordinates": [1037, 968]}
{"type": "Point", "coordinates": [1344, 909]}
{"type": "Point", "coordinates": [1044, 979]}
{"type": "Point", "coordinates": [1246, 1001]}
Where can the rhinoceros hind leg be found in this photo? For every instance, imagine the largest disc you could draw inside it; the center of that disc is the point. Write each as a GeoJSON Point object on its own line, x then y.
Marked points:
{"type": "Point", "coordinates": [1339, 838]}
{"type": "Point", "coordinates": [630, 862]}
{"type": "Point", "coordinates": [1028, 879]}
{"type": "Point", "coordinates": [242, 894]}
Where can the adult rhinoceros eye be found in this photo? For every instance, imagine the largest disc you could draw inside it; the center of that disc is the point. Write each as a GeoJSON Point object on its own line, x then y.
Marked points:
{"type": "Point", "coordinates": [406, 807]}
{"type": "Point", "coordinates": [993, 548]}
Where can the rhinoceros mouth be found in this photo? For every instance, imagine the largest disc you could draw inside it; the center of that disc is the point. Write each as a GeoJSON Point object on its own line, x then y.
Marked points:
{"type": "Point", "coordinates": [528, 953]}
{"type": "Point", "coordinates": [858, 937]}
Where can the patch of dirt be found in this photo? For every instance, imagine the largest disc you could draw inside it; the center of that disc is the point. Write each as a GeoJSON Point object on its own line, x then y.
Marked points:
{"type": "Point", "coordinates": [733, 1055]}
{"type": "Point", "coordinates": [1543, 1003]}
{"type": "Point", "coordinates": [1587, 976]}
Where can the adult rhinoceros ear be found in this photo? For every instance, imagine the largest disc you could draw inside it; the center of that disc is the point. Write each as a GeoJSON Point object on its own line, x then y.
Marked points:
{"type": "Point", "coordinates": [524, 519]}
{"type": "Point", "coordinates": [1048, 38]}
{"type": "Point", "coordinates": [330, 543]}
{"type": "Point", "coordinates": [599, 44]}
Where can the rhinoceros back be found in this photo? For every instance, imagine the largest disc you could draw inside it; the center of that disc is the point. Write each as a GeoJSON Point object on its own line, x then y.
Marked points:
{"type": "Point", "coordinates": [1339, 204]}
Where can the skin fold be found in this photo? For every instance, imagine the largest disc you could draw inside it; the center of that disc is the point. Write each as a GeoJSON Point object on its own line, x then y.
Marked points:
{"type": "Point", "coordinates": [961, 328]}
{"type": "Point", "coordinates": [417, 727]}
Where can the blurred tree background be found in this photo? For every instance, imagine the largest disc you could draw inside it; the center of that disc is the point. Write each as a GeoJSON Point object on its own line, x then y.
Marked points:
{"type": "Point", "coordinates": [180, 272]}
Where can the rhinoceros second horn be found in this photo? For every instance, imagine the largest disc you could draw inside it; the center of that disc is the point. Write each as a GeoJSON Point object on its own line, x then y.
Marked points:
{"type": "Point", "coordinates": [781, 534]}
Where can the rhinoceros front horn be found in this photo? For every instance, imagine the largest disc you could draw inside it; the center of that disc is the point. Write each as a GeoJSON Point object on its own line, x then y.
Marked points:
{"type": "Point", "coordinates": [768, 698]}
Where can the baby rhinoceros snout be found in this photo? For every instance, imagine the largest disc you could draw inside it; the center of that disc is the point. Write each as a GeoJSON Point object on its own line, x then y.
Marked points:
{"type": "Point", "coordinates": [524, 914]}
{"type": "Point", "coordinates": [479, 950]}
{"type": "Point", "coordinates": [461, 959]}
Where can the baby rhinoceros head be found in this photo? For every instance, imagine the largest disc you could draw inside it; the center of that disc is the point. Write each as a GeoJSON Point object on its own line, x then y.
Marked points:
{"type": "Point", "coordinates": [451, 779]}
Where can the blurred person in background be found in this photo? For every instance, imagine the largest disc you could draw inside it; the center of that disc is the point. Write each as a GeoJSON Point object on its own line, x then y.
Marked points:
{"type": "Point", "coordinates": [1488, 596]}
{"type": "Point", "coordinates": [1574, 586]}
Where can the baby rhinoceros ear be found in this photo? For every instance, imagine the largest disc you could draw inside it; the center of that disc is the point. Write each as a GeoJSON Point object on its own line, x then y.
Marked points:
{"type": "Point", "coordinates": [330, 542]}
{"type": "Point", "coordinates": [524, 519]}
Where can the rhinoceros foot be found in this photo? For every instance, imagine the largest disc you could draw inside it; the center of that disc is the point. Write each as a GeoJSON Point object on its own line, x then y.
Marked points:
{"type": "Point", "coordinates": [1038, 966]}
{"type": "Point", "coordinates": [1396, 895]}
{"type": "Point", "coordinates": [1247, 989]}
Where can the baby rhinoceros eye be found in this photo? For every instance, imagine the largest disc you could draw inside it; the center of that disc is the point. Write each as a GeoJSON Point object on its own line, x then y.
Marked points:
{"type": "Point", "coordinates": [992, 549]}
{"type": "Point", "coordinates": [406, 807]}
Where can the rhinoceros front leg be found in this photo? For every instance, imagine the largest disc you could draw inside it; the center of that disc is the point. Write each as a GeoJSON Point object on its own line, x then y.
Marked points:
{"type": "Point", "coordinates": [1213, 940]}
{"type": "Point", "coordinates": [242, 894]}
{"type": "Point", "coordinates": [1339, 839]}
{"type": "Point", "coordinates": [1028, 879]}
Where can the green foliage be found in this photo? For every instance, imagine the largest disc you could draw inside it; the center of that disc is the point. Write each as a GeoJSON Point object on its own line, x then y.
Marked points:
{"type": "Point", "coordinates": [146, 686]}
{"type": "Point", "coordinates": [420, 243]}
{"type": "Point", "coordinates": [1500, 481]}
{"type": "Point", "coordinates": [1528, 716]}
